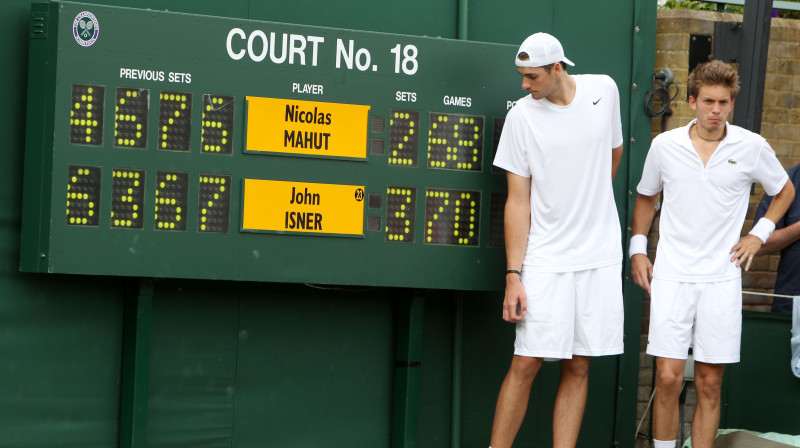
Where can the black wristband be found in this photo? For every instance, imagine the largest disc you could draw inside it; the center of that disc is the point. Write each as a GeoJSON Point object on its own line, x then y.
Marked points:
{"type": "Point", "coordinates": [514, 271]}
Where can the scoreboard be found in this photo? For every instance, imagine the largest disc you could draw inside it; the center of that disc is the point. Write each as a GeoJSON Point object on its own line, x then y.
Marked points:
{"type": "Point", "coordinates": [183, 146]}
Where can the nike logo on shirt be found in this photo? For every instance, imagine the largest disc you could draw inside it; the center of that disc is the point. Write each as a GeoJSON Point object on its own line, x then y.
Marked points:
{"type": "Point", "coordinates": [594, 103]}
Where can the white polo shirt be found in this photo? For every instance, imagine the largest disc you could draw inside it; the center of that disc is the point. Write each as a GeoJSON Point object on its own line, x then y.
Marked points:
{"type": "Point", "coordinates": [566, 151]}
{"type": "Point", "coordinates": [704, 206]}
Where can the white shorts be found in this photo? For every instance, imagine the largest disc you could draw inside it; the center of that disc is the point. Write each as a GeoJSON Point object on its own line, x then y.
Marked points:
{"type": "Point", "coordinates": [712, 311]}
{"type": "Point", "coordinates": [572, 313]}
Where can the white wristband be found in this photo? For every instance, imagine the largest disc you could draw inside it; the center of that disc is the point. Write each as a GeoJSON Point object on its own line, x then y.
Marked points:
{"type": "Point", "coordinates": [638, 245]}
{"type": "Point", "coordinates": [763, 229]}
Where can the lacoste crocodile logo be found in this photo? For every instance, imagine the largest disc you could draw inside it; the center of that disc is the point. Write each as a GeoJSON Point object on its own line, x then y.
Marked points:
{"type": "Point", "coordinates": [732, 162]}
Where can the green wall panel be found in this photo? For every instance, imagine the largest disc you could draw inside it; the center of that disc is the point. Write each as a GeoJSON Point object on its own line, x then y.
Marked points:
{"type": "Point", "coordinates": [761, 393]}
{"type": "Point", "coordinates": [60, 361]}
{"type": "Point", "coordinates": [194, 342]}
{"type": "Point", "coordinates": [434, 18]}
{"type": "Point", "coordinates": [14, 31]}
{"type": "Point", "coordinates": [227, 8]}
{"type": "Point", "coordinates": [511, 23]}
{"type": "Point", "coordinates": [436, 371]}
{"type": "Point", "coordinates": [232, 366]}
{"type": "Point", "coordinates": [314, 368]}
{"type": "Point", "coordinates": [488, 348]}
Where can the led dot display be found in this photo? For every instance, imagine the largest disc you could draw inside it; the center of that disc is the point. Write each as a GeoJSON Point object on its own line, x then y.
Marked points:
{"type": "Point", "coordinates": [400, 213]}
{"type": "Point", "coordinates": [499, 122]}
{"type": "Point", "coordinates": [376, 146]}
{"type": "Point", "coordinates": [171, 197]}
{"type": "Point", "coordinates": [374, 200]}
{"type": "Point", "coordinates": [373, 223]}
{"type": "Point", "coordinates": [217, 129]}
{"type": "Point", "coordinates": [127, 198]}
{"type": "Point", "coordinates": [497, 206]}
{"type": "Point", "coordinates": [452, 217]}
{"type": "Point", "coordinates": [83, 195]}
{"type": "Point", "coordinates": [86, 114]}
{"type": "Point", "coordinates": [377, 125]}
{"type": "Point", "coordinates": [174, 120]}
{"type": "Point", "coordinates": [214, 203]}
{"type": "Point", "coordinates": [130, 117]}
{"type": "Point", "coordinates": [455, 142]}
{"type": "Point", "coordinates": [403, 138]}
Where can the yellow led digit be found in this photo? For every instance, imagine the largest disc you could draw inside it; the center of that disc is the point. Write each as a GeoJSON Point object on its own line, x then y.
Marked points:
{"type": "Point", "coordinates": [214, 203]}
{"type": "Point", "coordinates": [130, 117]}
{"type": "Point", "coordinates": [217, 124]}
{"type": "Point", "coordinates": [171, 196]}
{"type": "Point", "coordinates": [86, 114]}
{"type": "Point", "coordinates": [455, 142]}
{"type": "Point", "coordinates": [452, 217]}
{"type": "Point", "coordinates": [174, 120]}
{"type": "Point", "coordinates": [127, 198]}
{"type": "Point", "coordinates": [403, 138]}
{"type": "Point", "coordinates": [400, 213]}
{"type": "Point", "coordinates": [83, 195]}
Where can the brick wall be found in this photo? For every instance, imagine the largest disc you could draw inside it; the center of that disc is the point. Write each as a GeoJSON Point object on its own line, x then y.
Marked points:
{"type": "Point", "coordinates": [780, 126]}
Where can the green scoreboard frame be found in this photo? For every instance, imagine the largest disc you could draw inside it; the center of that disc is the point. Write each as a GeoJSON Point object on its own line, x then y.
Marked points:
{"type": "Point", "coordinates": [183, 146]}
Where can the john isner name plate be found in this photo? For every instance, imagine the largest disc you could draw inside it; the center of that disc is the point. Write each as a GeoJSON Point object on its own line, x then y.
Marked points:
{"type": "Point", "coordinates": [301, 207]}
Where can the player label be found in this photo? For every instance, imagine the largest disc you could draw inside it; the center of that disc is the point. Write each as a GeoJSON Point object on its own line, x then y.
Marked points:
{"type": "Point", "coordinates": [302, 207]}
{"type": "Point", "coordinates": [307, 128]}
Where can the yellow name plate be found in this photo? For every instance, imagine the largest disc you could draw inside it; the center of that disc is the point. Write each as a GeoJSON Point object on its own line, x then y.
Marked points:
{"type": "Point", "coordinates": [307, 127]}
{"type": "Point", "coordinates": [300, 207]}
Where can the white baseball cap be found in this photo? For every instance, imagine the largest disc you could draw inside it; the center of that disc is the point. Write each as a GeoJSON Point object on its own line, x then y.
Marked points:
{"type": "Point", "coordinates": [542, 49]}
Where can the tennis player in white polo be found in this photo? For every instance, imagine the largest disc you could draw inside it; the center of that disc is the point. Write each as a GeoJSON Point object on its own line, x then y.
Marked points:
{"type": "Point", "coordinates": [705, 171]}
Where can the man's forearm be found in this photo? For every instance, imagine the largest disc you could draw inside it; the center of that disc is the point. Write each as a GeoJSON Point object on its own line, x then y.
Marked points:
{"type": "Point", "coordinates": [616, 158]}
{"type": "Point", "coordinates": [780, 239]}
{"type": "Point", "coordinates": [517, 227]}
{"type": "Point", "coordinates": [644, 210]}
{"type": "Point", "coordinates": [777, 208]}
{"type": "Point", "coordinates": [780, 203]}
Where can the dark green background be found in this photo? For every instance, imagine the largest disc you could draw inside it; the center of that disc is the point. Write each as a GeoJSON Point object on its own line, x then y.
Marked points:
{"type": "Point", "coordinates": [99, 361]}
{"type": "Point", "coordinates": [103, 360]}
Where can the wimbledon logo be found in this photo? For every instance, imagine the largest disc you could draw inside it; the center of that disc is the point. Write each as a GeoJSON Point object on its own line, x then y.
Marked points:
{"type": "Point", "coordinates": [85, 29]}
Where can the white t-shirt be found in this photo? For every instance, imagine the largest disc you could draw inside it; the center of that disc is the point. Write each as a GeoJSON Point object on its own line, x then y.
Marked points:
{"type": "Point", "coordinates": [704, 206]}
{"type": "Point", "coordinates": [567, 153]}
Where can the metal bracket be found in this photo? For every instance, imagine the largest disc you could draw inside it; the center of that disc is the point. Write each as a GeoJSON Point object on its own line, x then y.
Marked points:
{"type": "Point", "coordinates": [727, 41]}
{"type": "Point", "coordinates": [699, 50]}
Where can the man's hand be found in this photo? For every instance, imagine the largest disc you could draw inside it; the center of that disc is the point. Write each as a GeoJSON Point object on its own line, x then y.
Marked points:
{"type": "Point", "coordinates": [515, 304]}
{"type": "Point", "coordinates": [642, 271]}
{"type": "Point", "coordinates": [744, 251]}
